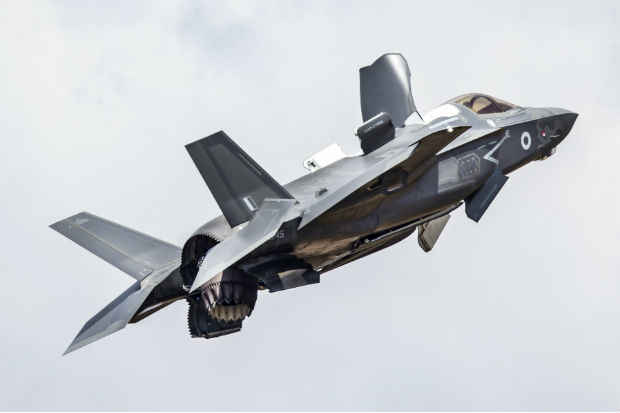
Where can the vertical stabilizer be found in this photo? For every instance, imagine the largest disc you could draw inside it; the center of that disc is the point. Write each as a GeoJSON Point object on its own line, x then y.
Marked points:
{"type": "Point", "coordinates": [237, 182]}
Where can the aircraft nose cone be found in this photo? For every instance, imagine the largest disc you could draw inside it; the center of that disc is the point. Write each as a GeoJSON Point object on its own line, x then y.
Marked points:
{"type": "Point", "coordinates": [566, 121]}
{"type": "Point", "coordinates": [563, 121]}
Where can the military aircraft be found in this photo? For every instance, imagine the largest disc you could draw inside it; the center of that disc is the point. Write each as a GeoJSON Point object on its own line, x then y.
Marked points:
{"type": "Point", "coordinates": [411, 173]}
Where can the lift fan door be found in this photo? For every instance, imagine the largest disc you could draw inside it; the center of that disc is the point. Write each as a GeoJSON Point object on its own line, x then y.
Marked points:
{"type": "Point", "coordinates": [385, 86]}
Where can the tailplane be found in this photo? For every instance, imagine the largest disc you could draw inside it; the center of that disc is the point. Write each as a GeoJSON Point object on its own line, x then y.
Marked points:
{"type": "Point", "coordinates": [134, 253]}
{"type": "Point", "coordinates": [149, 260]}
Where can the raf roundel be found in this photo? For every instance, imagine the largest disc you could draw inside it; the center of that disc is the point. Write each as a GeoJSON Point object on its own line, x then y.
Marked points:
{"type": "Point", "coordinates": [526, 140]}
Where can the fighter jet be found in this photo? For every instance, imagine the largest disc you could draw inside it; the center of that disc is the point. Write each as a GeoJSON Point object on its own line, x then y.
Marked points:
{"type": "Point", "coordinates": [412, 171]}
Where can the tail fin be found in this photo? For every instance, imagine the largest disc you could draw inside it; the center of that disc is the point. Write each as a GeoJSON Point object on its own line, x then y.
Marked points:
{"type": "Point", "coordinates": [147, 259]}
{"type": "Point", "coordinates": [237, 182]}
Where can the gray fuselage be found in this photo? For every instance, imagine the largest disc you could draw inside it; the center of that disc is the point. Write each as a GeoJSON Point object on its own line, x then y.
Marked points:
{"type": "Point", "coordinates": [407, 193]}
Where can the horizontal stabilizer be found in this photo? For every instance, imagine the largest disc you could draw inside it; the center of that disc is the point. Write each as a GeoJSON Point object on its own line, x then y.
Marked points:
{"type": "Point", "coordinates": [112, 318]}
{"type": "Point", "coordinates": [237, 182]}
{"type": "Point", "coordinates": [477, 203]}
{"type": "Point", "coordinates": [130, 251]}
{"type": "Point", "coordinates": [429, 232]}
{"type": "Point", "coordinates": [263, 226]}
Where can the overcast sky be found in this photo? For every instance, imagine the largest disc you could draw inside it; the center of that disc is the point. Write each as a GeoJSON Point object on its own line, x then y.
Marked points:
{"type": "Point", "coordinates": [97, 100]}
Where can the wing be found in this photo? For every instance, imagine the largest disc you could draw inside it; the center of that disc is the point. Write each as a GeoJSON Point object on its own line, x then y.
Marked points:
{"type": "Point", "coordinates": [130, 251]}
{"type": "Point", "coordinates": [322, 189]}
{"type": "Point", "coordinates": [339, 179]}
{"type": "Point", "coordinates": [326, 187]}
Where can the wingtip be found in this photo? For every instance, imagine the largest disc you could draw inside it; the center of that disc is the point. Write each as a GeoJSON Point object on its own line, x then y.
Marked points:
{"type": "Point", "coordinates": [58, 223]}
{"type": "Point", "coordinates": [197, 142]}
{"type": "Point", "coordinates": [71, 348]}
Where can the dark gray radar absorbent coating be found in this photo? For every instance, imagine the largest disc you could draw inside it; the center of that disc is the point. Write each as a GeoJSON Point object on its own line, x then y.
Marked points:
{"type": "Point", "coordinates": [237, 182]}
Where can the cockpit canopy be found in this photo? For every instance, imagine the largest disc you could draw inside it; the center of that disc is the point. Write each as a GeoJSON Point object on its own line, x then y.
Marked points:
{"type": "Point", "coordinates": [482, 104]}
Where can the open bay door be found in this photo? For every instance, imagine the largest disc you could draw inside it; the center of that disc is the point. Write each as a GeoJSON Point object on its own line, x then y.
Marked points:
{"type": "Point", "coordinates": [385, 98]}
